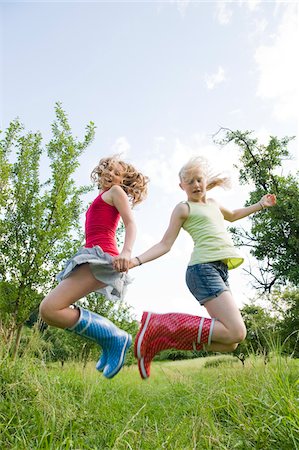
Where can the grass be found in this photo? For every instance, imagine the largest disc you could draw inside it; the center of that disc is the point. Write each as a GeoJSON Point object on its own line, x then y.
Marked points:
{"type": "Point", "coordinates": [190, 404]}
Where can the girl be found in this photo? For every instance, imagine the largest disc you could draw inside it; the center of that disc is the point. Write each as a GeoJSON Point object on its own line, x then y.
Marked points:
{"type": "Point", "coordinates": [207, 273]}
{"type": "Point", "coordinates": [97, 266]}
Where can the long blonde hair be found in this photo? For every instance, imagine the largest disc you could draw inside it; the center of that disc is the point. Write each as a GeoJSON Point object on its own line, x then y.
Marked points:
{"type": "Point", "coordinates": [213, 180]}
{"type": "Point", "coordinates": [134, 182]}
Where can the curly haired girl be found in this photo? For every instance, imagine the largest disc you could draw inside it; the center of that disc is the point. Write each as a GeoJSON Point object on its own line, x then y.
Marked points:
{"type": "Point", "coordinates": [98, 266]}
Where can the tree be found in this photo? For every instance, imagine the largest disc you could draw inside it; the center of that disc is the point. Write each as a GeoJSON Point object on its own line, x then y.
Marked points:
{"type": "Point", "coordinates": [274, 234]}
{"type": "Point", "coordinates": [288, 300]}
{"type": "Point", "coordinates": [262, 330]}
{"type": "Point", "coordinates": [39, 222]}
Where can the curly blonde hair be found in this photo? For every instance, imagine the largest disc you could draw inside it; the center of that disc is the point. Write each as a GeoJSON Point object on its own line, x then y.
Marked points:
{"type": "Point", "coordinates": [213, 180]}
{"type": "Point", "coordinates": [134, 182]}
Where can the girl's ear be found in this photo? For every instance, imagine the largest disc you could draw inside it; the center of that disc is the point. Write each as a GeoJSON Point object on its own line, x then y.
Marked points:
{"type": "Point", "coordinates": [181, 186]}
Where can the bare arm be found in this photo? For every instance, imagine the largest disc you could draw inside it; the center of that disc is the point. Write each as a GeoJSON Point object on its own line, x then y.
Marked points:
{"type": "Point", "coordinates": [120, 201]}
{"type": "Point", "coordinates": [178, 217]}
{"type": "Point", "coordinates": [266, 201]}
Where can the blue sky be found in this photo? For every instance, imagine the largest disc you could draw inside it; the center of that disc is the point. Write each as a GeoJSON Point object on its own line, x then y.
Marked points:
{"type": "Point", "coordinates": [158, 79]}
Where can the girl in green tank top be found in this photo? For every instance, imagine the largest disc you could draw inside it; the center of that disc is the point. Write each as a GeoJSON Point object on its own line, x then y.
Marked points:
{"type": "Point", "coordinates": [207, 277]}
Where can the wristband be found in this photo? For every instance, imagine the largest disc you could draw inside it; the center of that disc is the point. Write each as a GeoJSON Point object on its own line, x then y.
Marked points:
{"type": "Point", "coordinates": [261, 205]}
{"type": "Point", "coordinates": [138, 260]}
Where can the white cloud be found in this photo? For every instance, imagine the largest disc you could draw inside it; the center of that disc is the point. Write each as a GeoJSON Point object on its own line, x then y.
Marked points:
{"type": "Point", "coordinates": [252, 5]}
{"type": "Point", "coordinates": [215, 78]}
{"type": "Point", "coordinates": [235, 112]}
{"type": "Point", "coordinates": [164, 167]}
{"type": "Point", "coordinates": [260, 26]}
{"type": "Point", "coordinates": [277, 66]}
{"type": "Point", "coordinates": [262, 135]}
{"type": "Point", "coordinates": [223, 13]}
{"type": "Point", "coordinates": [121, 146]}
{"type": "Point", "coordinates": [182, 6]}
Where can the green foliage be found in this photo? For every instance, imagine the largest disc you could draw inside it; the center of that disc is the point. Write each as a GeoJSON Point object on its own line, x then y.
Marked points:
{"type": "Point", "coordinates": [32, 345]}
{"type": "Point", "coordinates": [39, 222]}
{"type": "Point", "coordinates": [273, 325]}
{"type": "Point", "coordinates": [176, 355]}
{"type": "Point", "coordinates": [274, 235]}
{"type": "Point", "coordinates": [289, 326]}
{"type": "Point", "coordinates": [63, 345]}
{"type": "Point", "coordinates": [120, 233]}
{"type": "Point", "coordinates": [220, 361]}
{"type": "Point", "coordinates": [182, 406]}
{"type": "Point", "coordinates": [39, 229]}
{"type": "Point", "coordinates": [262, 330]}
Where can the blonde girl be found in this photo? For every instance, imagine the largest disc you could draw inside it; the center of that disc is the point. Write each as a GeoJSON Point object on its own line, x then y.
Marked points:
{"type": "Point", "coordinates": [207, 272]}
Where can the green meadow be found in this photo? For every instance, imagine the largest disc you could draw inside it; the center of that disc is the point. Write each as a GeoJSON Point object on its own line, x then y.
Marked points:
{"type": "Point", "coordinates": [204, 403]}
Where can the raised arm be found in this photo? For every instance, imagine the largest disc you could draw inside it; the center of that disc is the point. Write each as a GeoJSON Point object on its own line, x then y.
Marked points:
{"type": "Point", "coordinates": [266, 201]}
{"type": "Point", "coordinates": [178, 217]}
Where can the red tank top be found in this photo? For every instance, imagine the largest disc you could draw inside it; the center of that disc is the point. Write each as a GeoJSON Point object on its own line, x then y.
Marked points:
{"type": "Point", "coordinates": [100, 226]}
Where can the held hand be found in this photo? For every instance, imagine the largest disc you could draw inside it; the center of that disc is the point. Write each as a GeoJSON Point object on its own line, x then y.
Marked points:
{"type": "Point", "coordinates": [268, 200]}
{"type": "Point", "coordinates": [122, 261]}
{"type": "Point", "coordinates": [133, 263]}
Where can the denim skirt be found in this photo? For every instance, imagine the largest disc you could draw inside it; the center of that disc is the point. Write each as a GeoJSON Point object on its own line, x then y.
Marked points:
{"type": "Point", "coordinates": [100, 264]}
{"type": "Point", "coordinates": [207, 280]}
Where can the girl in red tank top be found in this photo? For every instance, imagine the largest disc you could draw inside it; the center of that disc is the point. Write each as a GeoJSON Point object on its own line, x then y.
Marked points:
{"type": "Point", "coordinates": [98, 266]}
{"type": "Point", "coordinates": [101, 224]}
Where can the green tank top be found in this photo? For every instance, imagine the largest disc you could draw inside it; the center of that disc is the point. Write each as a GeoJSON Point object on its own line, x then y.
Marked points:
{"type": "Point", "coordinates": [206, 226]}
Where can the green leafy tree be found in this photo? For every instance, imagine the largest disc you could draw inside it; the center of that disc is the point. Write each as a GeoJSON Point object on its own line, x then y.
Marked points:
{"type": "Point", "coordinates": [39, 221]}
{"type": "Point", "coordinates": [274, 234]}
{"type": "Point", "coordinates": [262, 330]}
{"type": "Point", "coordinates": [288, 302]}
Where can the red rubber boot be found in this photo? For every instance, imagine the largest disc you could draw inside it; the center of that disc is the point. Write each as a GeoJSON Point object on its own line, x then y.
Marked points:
{"type": "Point", "coordinates": [165, 331]}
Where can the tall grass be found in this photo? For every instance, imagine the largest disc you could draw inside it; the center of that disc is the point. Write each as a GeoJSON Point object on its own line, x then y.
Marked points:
{"type": "Point", "coordinates": [190, 404]}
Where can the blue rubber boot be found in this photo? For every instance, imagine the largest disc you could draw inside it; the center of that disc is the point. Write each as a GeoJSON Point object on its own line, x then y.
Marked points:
{"type": "Point", "coordinates": [114, 341]}
{"type": "Point", "coordinates": [102, 361]}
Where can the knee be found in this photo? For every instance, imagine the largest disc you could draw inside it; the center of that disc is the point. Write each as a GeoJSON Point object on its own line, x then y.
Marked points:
{"type": "Point", "coordinates": [231, 347]}
{"type": "Point", "coordinates": [238, 335]}
{"type": "Point", "coordinates": [234, 346]}
{"type": "Point", "coordinates": [45, 310]}
{"type": "Point", "coordinates": [243, 333]}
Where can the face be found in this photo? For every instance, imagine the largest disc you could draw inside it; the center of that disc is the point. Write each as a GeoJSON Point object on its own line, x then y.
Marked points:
{"type": "Point", "coordinates": [111, 175]}
{"type": "Point", "coordinates": [194, 183]}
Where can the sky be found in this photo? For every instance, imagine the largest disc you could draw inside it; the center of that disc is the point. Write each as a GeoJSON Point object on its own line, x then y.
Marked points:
{"type": "Point", "coordinates": [158, 79]}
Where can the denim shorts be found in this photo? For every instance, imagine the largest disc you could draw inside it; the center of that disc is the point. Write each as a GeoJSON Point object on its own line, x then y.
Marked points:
{"type": "Point", "coordinates": [208, 280]}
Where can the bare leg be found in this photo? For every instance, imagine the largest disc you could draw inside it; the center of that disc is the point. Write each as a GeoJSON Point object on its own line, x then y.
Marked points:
{"type": "Point", "coordinates": [222, 348]}
{"type": "Point", "coordinates": [55, 310]}
{"type": "Point", "coordinates": [229, 328]}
